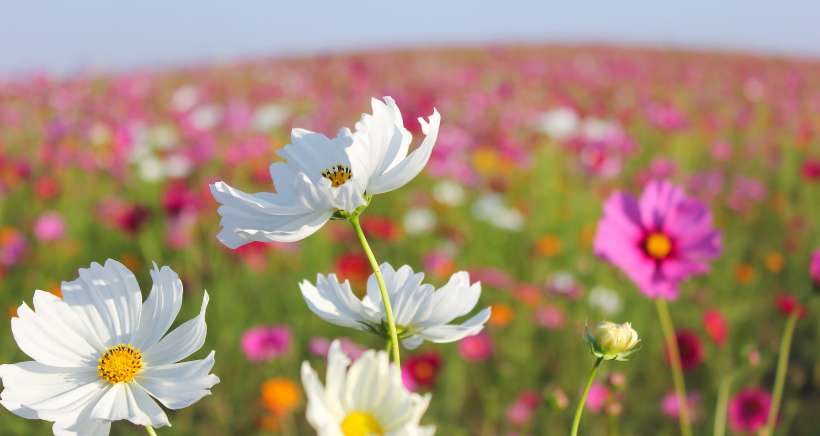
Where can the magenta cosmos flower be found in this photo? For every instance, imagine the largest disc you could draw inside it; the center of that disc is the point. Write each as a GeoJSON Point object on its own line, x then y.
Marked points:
{"type": "Point", "coordinates": [658, 240]}
{"type": "Point", "coordinates": [814, 267]}
{"type": "Point", "coordinates": [266, 342]}
{"type": "Point", "coordinates": [749, 410]}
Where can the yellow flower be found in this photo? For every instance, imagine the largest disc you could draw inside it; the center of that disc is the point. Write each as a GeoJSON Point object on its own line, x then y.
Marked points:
{"type": "Point", "coordinates": [609, 340]}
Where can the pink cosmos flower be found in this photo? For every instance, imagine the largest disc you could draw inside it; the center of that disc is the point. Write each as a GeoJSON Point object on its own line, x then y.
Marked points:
{"type": "Point", "coordinates": [420, 371]}
{"type": "Point", "coordinates": [49, 227]}
{"type": "Point", "coordinates": [749, 410]}
{"type": "Point", "coordinates": [814, 267]}
{"type": "Point", "coordinates": [671, 408]}
{"type": "Point", "coordinates": [658, 240]}
{"type": "Point", "coordinates": [522, 411]}
{"type": "Point", "coordinates": [320, 347]}
{"type": "Point", "coordinates": [265, 343]}
{"type": "Point", "coordinates": [597, 397]}
{"type": "Point", "coordinates": [476, 348]}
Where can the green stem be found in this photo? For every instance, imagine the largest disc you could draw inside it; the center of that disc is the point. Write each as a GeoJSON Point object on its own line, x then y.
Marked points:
{"type": "Point", "coordinates": [677, 370]}
{"type": "Point", "coordinates": [576, 422]}
{"type": "Point", "coordinates": [150, 430]}
{"type": "Point", "coordinates": [721, 407]}
{"type": "Point", "coordinates": [780, 377]}
{"type": "Point", "coordinates": [388, 310]}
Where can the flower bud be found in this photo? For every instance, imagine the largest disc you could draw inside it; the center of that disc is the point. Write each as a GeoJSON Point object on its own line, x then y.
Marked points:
{"type": "Point", "coordinates": [611, 341]}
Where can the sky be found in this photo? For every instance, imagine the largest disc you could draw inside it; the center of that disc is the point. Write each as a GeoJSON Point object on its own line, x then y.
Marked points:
{"type": "Point", "coordinates": [80, 35]}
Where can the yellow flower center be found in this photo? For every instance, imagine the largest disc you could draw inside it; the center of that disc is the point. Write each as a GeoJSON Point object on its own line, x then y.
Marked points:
{"type": "Point", "coordinates": [658, 245]}
{"type": "Point", "coordinates": [361, 424]}
{"type": "Point", "coordinates": [337, 174]}
{"type": "Point", "coordinates": [120, 364]}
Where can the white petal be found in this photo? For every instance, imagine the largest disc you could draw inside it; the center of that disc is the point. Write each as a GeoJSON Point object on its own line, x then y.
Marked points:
{"type": "Point", "coordinates": [269, 217]}
{"type": "Point", "coordinates": [412, 165]}
{"type": "Point", "coordinates": [33, 390]}
{"type": "Point", "coordinates": [109, 298]}
{"type": "Point", "coordinates": [84, 427]}
{"type": "Point", "coordinates": [334, 302]}
{"type": "Point", "coordinates": [123, 401]}
{"type": "Point", "coordinates": [160, 309]}
{"type": "Point", "coordinates": [361, 393]}
{"type": "Point", "coordinates": [181, 342]}
{"type": "Point", "coordinates": [49, 340]}
{"type": "Point", "coordinates": [456, 298]}
{"type": "Point", "coordinates": [181, 384]}
{"type": "Point", "coordinates": [311, 152]}
{"type": "Point", "coordinates": [451, 332]}
{"type": "Point", "coordinates": [319, 405]}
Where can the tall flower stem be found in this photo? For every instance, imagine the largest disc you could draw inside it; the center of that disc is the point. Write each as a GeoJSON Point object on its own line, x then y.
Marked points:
{"type": "Point", "coordinates": [677, 370]}
{"type": "Point", "coordinates": [388, 310]}
{"type": "Point", "coordinates": [150, 430]}
{"type": "Point", "coordinates": [780, 377]}
{"type": "Point", "coordinates": [576, 422]}
{"type": "Point", "coordinates": [719, 428]}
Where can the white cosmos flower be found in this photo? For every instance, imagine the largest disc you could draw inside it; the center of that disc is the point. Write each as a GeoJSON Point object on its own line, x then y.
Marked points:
{"type": "Point", "coordinates": [100, 354]}
{"type": "Point", "coordinates": [366, 399]}
{"type": "Point", "coordinates": [421, 312]}
{"type": "Point", "coordinates": [321, 176]}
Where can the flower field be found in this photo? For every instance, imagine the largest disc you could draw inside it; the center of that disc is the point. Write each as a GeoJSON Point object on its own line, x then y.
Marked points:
{"type": "Point", "coordinates": [675, 191]}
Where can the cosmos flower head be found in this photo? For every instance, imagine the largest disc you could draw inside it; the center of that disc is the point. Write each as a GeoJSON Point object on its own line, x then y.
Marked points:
{"type": "Point", "coordinates": [101, 354]}
{"type": "Point", "coordinates": [324, 177]}
{"type": "Point", "coordinates": [611, 341]}
{"type": "Point", "coordinates": [364, 398]}
{"type": "Point", "coordinates": [421, 312]}
{"type": "Point", "coordinates": [264, 343]}
{"type": "Point", "coordinates": [658, 240]}
{"type": "Point", "coordinates": [749, 410]}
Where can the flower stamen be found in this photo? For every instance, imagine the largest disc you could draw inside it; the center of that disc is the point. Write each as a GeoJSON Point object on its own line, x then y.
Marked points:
{"type": "Point", "coordinates": [658, 245]}
{"type": "Point", "coordinates": [337, 174]}
{"type": "Point", "coordinates": [120, 364]}
{"type": "Point", "coordinates": [361, 424]}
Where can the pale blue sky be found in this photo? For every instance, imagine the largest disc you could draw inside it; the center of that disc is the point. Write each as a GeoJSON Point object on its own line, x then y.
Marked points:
{"type": "Point", "coordinates": [109, 34]}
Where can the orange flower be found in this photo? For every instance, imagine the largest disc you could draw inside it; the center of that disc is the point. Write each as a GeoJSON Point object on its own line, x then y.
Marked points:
{"type": "Point", "coordinates": [130, 261]}
{"type": "Point", "coordinates": [774, 262]}
{"type": "Point", "coordinates": [55, 289]}
{"type": "Point", "coordinates": [12, 311]}
{"type": "Point", "coordinates": [744, 273]}
{"type": "Point", "coordinates": [280, 395]}
{"type": "Point", "coordinates": [501, 315]}
{"type": "Point", "coordinates": [548, 245]}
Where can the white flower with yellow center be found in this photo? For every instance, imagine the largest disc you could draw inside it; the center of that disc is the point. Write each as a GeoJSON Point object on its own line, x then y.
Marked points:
{"type": "Point", "coordinates": [322, 176]}
{"type": "Point", "coordinates": [101, 353]}
{"type": "Point", "coordinates": [366, 399]}
{"type": "Point", "coordinates": [421, 312]}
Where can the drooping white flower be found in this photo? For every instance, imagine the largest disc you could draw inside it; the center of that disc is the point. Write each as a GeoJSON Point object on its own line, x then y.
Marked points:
{"type": "Point", "coordinates": [100, 354]}
{"type": "Point", "coordinates": [368, 398]}
{"type": "Point", "coordinates": [421, 312]}
{"type": "Point", "coordinates": [321, 176]}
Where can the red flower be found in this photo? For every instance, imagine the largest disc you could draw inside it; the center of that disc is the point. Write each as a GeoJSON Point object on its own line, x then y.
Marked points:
{"type": "Point", "coordinates": [788, 304]}
{"type": "Point", "coordinates": [811, 170]}
{"type": "Point", "coordinates": [715, 325]}
{"type": "Point", "coordinates": [353, 266]}
{"type": "Point", "coordinates": [421, 370]}
{"type": "Point", "coordinates": [690, 348]}
{"type": "Point", "coordinates": [380, 227]}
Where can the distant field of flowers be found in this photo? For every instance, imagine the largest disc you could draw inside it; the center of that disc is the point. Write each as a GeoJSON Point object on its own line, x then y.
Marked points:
{"type": "Point", "coordinates": [607, 231]}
